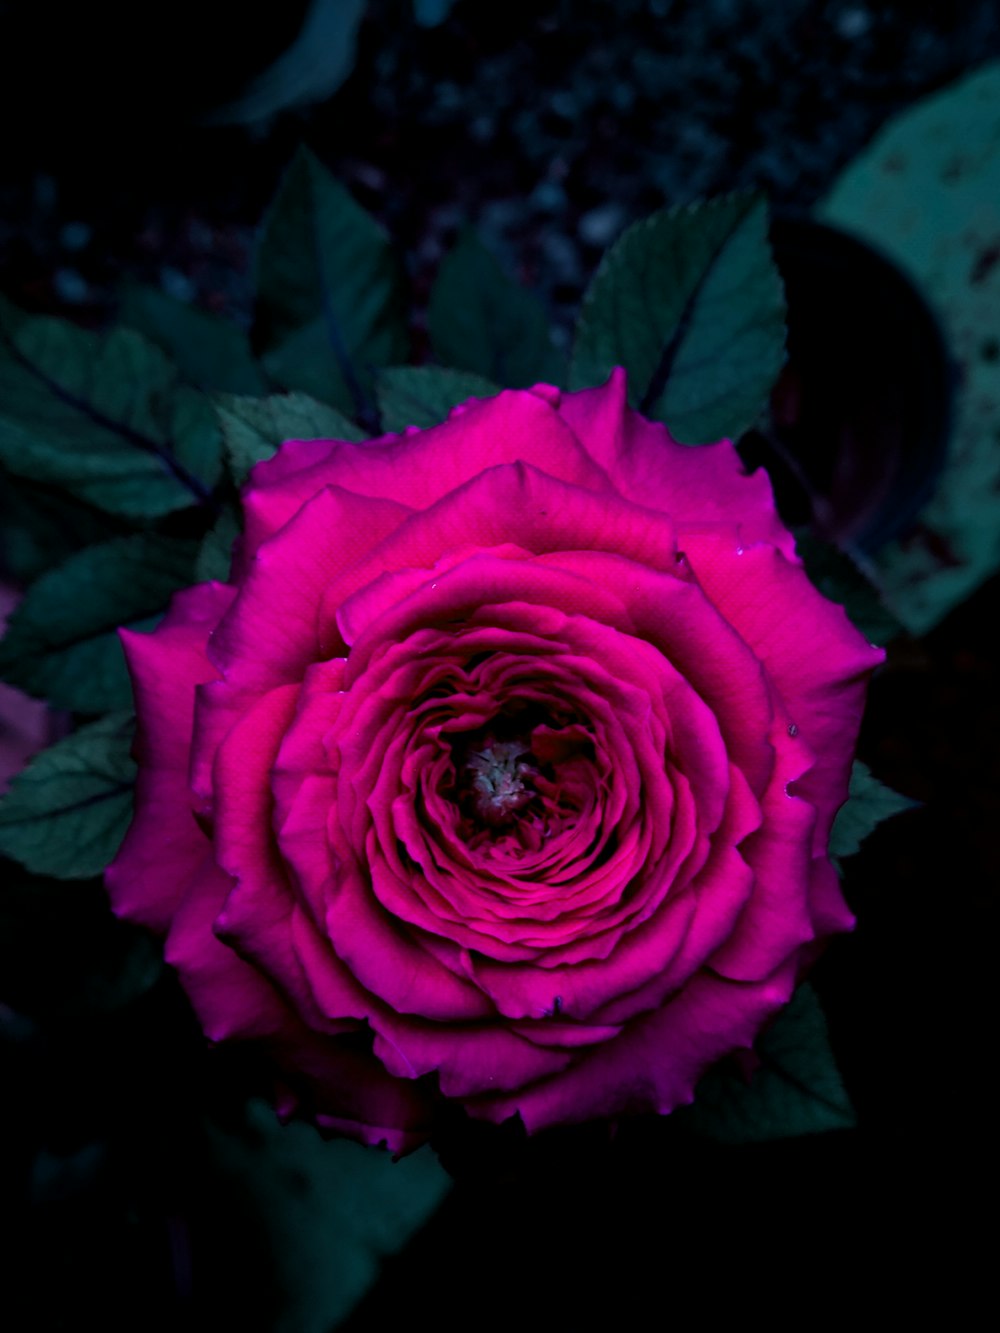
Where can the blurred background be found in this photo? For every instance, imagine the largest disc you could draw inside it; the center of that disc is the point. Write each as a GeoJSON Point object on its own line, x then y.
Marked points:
{"type": "Point", "coordinates": [143, 145]}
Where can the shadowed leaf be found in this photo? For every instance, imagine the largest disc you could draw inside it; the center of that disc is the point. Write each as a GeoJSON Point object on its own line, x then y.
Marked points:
{"type": "Point", "coordinates": [104, 418]}
{"type": "Point", "coordinates": [690, 303]}
{"type": "Point", "coordinates": [253, 428]}
{"type": "Point", "coordinates": [210, 352]}
{"type": "Point", "coordinates": [329, 291]}
{"type": "Point", "coordinates": [481, 320]}
{"type": "Point", "coordinates": [795, 1090]}
{"type": "Point", "coordinates": [66, 814]}
{"type": "Point", "coordinates": [424, 395]}
{"type": "Point", "coordinates": [61, 642]}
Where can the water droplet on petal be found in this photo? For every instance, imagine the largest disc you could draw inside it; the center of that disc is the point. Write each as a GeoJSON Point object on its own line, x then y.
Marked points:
{"type": "Point", "coordinates": [793, 729]}
{"type": "Point", "coordinates": [739, 550]}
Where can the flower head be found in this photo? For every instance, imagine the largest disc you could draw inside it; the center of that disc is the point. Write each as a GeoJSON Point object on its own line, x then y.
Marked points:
{"type": "Point", "coordinates": [501, 771]}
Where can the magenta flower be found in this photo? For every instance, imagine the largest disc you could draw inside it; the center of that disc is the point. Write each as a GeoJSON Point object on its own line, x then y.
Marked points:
{"type": "Point", "coordinates": [502, 771]}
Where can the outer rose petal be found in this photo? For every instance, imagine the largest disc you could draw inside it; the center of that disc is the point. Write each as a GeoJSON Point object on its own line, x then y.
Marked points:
{"type": "Point", "coordinates": [344, 1089]}
{"type": "Point", "coordinates": [656, 1062]}
{"type": "Point", "coordinates": [697, 487]}
{"type": "Point", "coordinates": [418, 468]}
{"type": "Point", "coordinates": [164, 844]}
{"type": "Point", "coordinates": [778, 612]}
{"type": "Point", "coordinates": [308, 833]}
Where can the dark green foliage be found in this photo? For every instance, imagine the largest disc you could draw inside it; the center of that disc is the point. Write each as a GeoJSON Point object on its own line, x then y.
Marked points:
{"type": "Point", "coordinates": [40, 526]}
{"type": "Point", "coordinates": [66, 814]}
{"type": "Point", "coordinates": [424, 395]}
{"type": "Point", "coordinates": [482, 321]}
{"type": "Point", "coordinates": [253, 428]}
{"type": "Point", "coordinates": [106, 419]}
{"type": "Point", "coordinates": [869, 803]}
{"type": "Point", "coordinates": [329, 292]}
{"type": "Point", "coordinates": [795, 1090]}
{"type": "Point", "coordinates": [837, 576]}
{"type": "Point", "coordinates": [209, 351]}
{"type": "Point", "coordinates": [690, 303]}
{"type": "Point", "coordinates": [61, 643]}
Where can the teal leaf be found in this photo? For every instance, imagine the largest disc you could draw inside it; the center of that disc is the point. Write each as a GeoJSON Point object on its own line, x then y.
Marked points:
{"type": "Point", "coordinates": [253, 428]}
{"type": "Point", "coordinates": [329, 292]}
{"type": "Point", "coordinates": [330, 1212]}
{"type": "Point", "coordinates": [924, 194]}
{"type": "Point", "coordinates": [424, 395]}
{"type": "Point", "coordinates": [215, 554]}
{"type": "Point", "coordinates": [40, 527]}
{"type": "Point", "coordinates": [67, 813]}
{"type": "Point", "coordinates": [841, 579]}
{"type": "Point", "coordinates": [61, 642]}
{"type": "Point", "coordinates": [689, 301]}
{"type": "Point", "coordinates": [210, 352]}
{"type": "Point", "coordinates": [104, 418]}
{"type": "Point", "coordinates": [869, 803]}
{"type": "Point", "coordinates": [309, 70]}
{"type": "Point", "coordinates": [796, 1089]}
{"type": "Point", "coordinates": [480, 320]}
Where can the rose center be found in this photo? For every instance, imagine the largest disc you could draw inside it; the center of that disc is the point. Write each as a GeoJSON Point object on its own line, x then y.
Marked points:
{"type": "Point", "coordinates": [500, 780]}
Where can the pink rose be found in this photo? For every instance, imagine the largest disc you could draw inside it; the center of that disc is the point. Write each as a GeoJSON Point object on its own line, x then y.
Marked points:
{"type": "Point", "coordinates": [502, 771]}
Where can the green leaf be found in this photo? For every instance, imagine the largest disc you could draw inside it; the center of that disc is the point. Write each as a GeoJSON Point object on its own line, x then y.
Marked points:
{"type": "Point", "coordinates": [40, 527]}
{"type": "Point", "coordinates": [839, 578]}
{"type": "Point", "coordinates": [61, 642]}
{"type": "Point", "coordinates": [307, 71]}
{"type": "Point", "coordinates": [67, 813]}
{"type": "Point", "coordinates": [329, 291]}
{"type": "Point", "coordinates": [212, 353]}
{"type": "Point", "coordinates": [923, 193]}
{"type": "Point", "coordinates": [796, 1090]}
{"type": "Point", "coordinates": [330, 1213]}
{"type": "Point", "coordinates": [424, 395]}
{"type": "Point", "coordinates": [868, 803]}
{"type": "Point", "coordinates": [215, 554]}
{"type": "Point", "coordinates": [480, 320]}
{"type": "Point", "coordinates": [253, 428]}
{"type": "Point", "coordinates": [690, 303]}
{"type": "Point", "coordinates": [104, 418]}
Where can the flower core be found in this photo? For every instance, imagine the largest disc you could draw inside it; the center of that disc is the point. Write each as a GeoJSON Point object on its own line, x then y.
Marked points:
{"type": "Point", "coordinates": [498, 780]}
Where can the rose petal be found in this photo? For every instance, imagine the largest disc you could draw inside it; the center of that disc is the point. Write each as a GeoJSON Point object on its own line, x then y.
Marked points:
{"type": "Point", "coordinates": [696, 487]}
{"type": "Point", "coordinates": [164, 844]}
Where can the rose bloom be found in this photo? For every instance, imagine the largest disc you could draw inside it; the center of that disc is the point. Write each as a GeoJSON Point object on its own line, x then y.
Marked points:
{"type": "Point", "coordinates": [502, 771]}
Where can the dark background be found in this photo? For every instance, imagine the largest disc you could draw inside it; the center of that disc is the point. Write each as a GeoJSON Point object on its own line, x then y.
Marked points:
{"type": "Point", "coordinates": [550, 130]}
